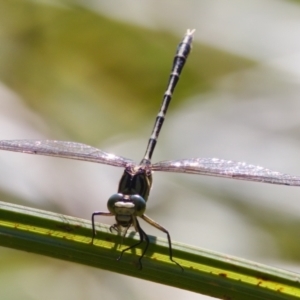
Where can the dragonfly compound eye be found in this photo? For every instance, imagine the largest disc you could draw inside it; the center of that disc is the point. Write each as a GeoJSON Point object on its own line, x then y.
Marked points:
{"type": "Point", "coordinates": [139, 204]}
{"type": "Point", "coordinates": [113, 200]}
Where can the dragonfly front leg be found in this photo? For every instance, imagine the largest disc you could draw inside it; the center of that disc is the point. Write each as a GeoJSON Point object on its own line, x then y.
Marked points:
{"type": "Point", "coordinates": [158, 226]}
{"type": "Point", "coordinates": [143, 236]}
{"type": "Point", "coordinates": [98, 213]}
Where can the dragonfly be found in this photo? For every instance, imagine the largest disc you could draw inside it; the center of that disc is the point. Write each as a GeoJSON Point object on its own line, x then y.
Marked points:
{"type": "Point", "coordinates": [129, 202]}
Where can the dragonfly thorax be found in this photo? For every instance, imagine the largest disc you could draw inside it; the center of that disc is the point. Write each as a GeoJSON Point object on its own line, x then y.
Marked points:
{"type": "Point", "coordinates": [136, 180]}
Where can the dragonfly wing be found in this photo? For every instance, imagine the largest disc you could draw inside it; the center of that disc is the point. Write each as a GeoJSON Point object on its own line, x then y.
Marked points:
{"type": "Point", "coordinates": [64, 149]}
{"type": "Point", "coordinates": [226, 168]}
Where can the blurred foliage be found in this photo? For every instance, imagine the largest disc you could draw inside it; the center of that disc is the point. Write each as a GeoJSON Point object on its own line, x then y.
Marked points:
{"type": "Point", "coordinates": [282, 227]}
{"type": "Point", "coordinates": [88, 75]}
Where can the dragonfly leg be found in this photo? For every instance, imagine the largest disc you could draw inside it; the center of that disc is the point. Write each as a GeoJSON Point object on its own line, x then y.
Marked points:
{"type": "Point", "coordinates": [158, 226]}
{"type": "Point", "coordinates": [114, 227]}
{"type": "Point", "coordinates": [117, 228]}
{"type": "Point", "coordinates": [143, 236]}
{"type": "Point", "coordinates": [98, 213]}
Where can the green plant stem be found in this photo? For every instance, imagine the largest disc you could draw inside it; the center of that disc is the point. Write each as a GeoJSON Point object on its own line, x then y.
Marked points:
{"type": "Point", "coordinates": [205, 272]}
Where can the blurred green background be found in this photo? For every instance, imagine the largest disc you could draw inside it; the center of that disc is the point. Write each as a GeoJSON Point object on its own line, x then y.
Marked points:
{"type": "Point", "coordinates": [95, 72]}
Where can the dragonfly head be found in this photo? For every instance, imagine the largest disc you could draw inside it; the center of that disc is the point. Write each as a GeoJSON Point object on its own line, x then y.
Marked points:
{"type": "Point", "coordinates": [124, 207]}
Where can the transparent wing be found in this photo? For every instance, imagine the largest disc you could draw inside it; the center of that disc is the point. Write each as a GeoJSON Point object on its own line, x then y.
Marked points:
{"type": "Point", "coordinates": [66, 150]}
{"type": "Point", "coordinates": [226, 168]}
